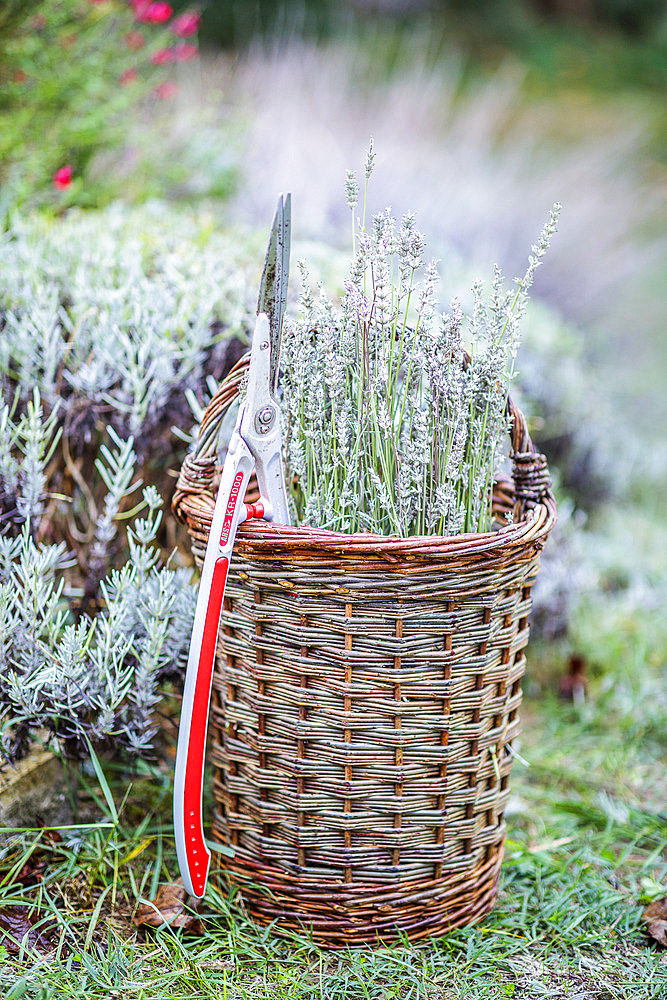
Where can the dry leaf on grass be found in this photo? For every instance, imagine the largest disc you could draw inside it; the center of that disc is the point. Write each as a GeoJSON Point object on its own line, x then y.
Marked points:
{"type": "Point", "coordinates": [35, 867]}
{"type": "Point", "coordinates": [655, 918]}
{"type": "Point", "coordinates": [33, 871]}
{"type": "Point", "coordinates": [15, 923]}
{"type": "Point", "coordinates": [168, 907]}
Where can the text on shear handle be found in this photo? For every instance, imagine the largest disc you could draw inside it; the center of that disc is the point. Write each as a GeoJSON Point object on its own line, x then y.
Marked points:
{"type": "Point", "coordinates": [231, 507]}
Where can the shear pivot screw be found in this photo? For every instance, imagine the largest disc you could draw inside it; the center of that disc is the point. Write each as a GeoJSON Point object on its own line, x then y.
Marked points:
{"type": "Point", "coordinates": [264, 346]}
{"type": "Point", "coordinates": [264, 420]}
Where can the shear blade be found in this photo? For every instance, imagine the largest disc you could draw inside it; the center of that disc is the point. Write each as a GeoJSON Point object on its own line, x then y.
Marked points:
{"type": "Point", "coordinates": [273, 287]}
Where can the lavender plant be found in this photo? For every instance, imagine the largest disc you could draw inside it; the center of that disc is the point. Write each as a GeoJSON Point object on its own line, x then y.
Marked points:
{"type": "Point", "coordinates": [117, 318]}
{"type": "Point", "coordinates": [87, 680]}
{"type": "Point", "coordinates": [391, 425]}
{"type": "Point", "coordinates": [109, 323]}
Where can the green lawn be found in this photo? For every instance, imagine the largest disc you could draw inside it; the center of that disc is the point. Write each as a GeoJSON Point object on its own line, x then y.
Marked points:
{"type": "Point", "coordinates": [585, 853]}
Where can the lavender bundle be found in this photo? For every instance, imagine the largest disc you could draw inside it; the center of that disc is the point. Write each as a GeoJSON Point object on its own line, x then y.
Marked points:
{"type": "Point", "coordinates": [391, 426]}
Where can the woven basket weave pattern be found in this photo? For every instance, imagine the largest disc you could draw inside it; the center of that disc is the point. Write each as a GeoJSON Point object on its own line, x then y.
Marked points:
{"type": "Point", "coordinates": [365, 701]}
{"type": "Point", "coordinates": [359, 731]}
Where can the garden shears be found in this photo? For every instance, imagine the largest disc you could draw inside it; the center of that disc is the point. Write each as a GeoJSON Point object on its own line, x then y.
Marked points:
{"type": "Point", "coordinates": [255, 446]}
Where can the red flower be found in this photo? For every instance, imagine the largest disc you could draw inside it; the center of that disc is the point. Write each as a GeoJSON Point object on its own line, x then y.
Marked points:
{"type": "Point", "coordinates": [135, 41]}
{"type": "Point", "coordinates": [186, 24]}
{"type": "Point", "coordinates": [140, 7]}
{"type": "Point", "coordinates": [166, 90]}
{"type": "Point", "coordinates": [162, 56]}
{"type": "Point", "coordinates": [154, 13]}
{"type": "Point", "coordinates": [62, 177]}
{"type": "Point", "coordinates": [184, 51]}
{"type": "Point", "coordinates": [129, 76]}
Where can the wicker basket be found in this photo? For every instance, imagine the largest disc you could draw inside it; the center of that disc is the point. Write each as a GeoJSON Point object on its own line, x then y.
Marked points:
{"type": "Point", "coordinates": [366, 698]}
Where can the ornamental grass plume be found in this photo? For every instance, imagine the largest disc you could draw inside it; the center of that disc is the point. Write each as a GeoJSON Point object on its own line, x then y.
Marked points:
{"type": "Point", "coordinates": [392, 427]}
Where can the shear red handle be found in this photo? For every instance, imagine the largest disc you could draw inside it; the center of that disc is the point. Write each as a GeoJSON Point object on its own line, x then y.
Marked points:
{"type": "Point", "coordinates": [194, 856]}
{"type": "Point", "coordinates": [198, 856]}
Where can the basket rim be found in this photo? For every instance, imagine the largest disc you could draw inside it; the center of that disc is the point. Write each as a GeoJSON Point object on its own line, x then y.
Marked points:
{"type": "Point", "coordinates": [263, 539]}
{"type": "Point", "coordinates": [536, 523]}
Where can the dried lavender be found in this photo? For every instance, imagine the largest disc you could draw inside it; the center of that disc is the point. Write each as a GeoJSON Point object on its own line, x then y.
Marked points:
{"type": "Point", "coordinates": [390, 426]}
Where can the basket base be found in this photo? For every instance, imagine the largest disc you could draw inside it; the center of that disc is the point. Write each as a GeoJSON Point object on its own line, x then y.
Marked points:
{"type": "Point", "coordinates": [339, 915]}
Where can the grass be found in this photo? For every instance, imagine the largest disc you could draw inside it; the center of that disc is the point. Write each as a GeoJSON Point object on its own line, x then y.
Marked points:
{"type": "Point", "coordinates": [585, 853]}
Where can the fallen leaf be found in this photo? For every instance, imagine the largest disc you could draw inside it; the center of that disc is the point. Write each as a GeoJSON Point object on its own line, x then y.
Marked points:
{"type": "Point", "coordinates": [573, 685]}
{"type": "Point", "coordinates": [15, 923]}
{"type": "Point", "coordinates": [655, 918]}
{"type": "Point", "coordinates": [32, 872]}
{"type": "Point", "coordinates": [51, 837]}
{"type": "Point", "coordinates": [34, 869]}
{"type": "Point", "coordinates": [168, 907]}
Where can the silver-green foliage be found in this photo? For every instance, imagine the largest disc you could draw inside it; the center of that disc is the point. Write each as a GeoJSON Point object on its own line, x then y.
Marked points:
{"type": "Point", "coordinates": [109, 322]}
{"type": "Point", "coordinates": [113, 312]}
{"type": "Point", "coordinates": [118, 319]}
{"type": "Point", "coordinates": [391, 427]}
{"type": "Point", "coordinates": [86, 679]}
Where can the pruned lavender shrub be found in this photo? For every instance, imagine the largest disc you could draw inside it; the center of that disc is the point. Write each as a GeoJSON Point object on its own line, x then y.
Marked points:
{"type": "Point", "coordinates": [86, 680]}
{"type": "Point", "coordinates": [118, 312]}
{"type": "Point", "coordinates": [109, 323]}
{"type": "Point", "coordinates": [391, 427]}
{"type": "Point", "coordinates": [116, 318]}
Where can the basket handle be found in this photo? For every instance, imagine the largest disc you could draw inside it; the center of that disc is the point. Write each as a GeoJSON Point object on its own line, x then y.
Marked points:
{"type": "Point", "coordinates": [532, 482]}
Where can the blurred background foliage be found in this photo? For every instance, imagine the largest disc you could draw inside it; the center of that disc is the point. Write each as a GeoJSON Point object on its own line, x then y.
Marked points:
{"type": "Point", "coordinates": [130, 138]}
{"type": "Point", "coordinates": [76, 75]}
{"type": "Point", "coordinates": [603, 43]}
{"type": "Point", "coordinates": [72, 75]}
{"type": "Point", "coordinates": [236, 23]}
